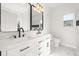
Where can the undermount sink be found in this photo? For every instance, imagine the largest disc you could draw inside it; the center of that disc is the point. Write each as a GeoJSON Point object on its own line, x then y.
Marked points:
{"type": "Point", "coordinates": [32, 34]}
{"type": "Point", "coordinates": [16, 40]}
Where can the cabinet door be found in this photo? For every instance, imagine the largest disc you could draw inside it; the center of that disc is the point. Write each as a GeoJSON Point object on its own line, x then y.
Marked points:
{"type": "Point", "coordinates": [47, 47]}
{"type": "Point", "coordinates": [44, 50]}
{"type": "Point", "coordinates": [44, 46]}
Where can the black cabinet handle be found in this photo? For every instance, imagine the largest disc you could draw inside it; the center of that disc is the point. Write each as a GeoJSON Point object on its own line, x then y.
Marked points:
{"type": "Point", "coordinates": [47, 44]}
{"type": "Point", "coordinates": [24, 48]}
{"type": "Point", "coordinates": [39, 54]}
{"type": "Point", "coordinates": [47, 38]}
{"type": "Point", "coordinates": [40, 48]}
{"type": "Point", "coordinates": [0, 53]}
{"type": "Point", "coordinates": [40, 41]}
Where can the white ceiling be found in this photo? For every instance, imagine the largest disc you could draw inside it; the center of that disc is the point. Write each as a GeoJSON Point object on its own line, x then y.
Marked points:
{"type": "Point", "coordinates": [20, 7]}
{"type": "Point", "coordinates": [15, 7]}
{"type": "Point", "coordinates": [53, 5]}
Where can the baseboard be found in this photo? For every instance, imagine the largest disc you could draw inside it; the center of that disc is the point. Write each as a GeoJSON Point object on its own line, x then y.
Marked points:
{"type": "Point", "coordinates": [68, 45]}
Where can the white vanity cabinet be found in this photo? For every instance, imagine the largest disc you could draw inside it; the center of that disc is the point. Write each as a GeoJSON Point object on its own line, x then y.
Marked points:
{"type": "Point", "coordinates": [38, 46]}
{"type": "Point", "coordinates": [43, 45]}
{"type": "Point", "coordinates": [25, 49]}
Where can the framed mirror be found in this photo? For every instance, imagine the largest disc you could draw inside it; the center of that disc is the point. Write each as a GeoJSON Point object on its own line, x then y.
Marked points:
{"type": "Point", "coordinates": [12, 14]}
{"type": "Point", "coordinates": [36, 18]}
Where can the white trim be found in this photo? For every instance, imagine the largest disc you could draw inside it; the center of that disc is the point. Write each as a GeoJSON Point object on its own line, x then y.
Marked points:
{"type": "Point", "coordinates": [68, 45]}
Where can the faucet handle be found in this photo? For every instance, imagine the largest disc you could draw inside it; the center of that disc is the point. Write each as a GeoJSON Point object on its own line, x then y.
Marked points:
{"type": "Point", "coordinates": [23, 35]}
{"type": "Point", "coordinates": [13, 36]}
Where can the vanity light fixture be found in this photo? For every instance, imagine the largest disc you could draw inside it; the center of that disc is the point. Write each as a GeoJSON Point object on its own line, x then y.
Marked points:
{"type": "Point", "coordinates": [38, 7]}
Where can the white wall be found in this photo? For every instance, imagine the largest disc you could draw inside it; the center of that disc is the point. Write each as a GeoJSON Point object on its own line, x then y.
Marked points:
{"type": "Point", "coordinates": [47, 17]}
{"type": "Point", "coordinates": [10, 16]}
{"type": "Point", "coordinates": [24, 19]}
{"type": "Point", "coordinates": [68, 34]}
{"type": "Point", "coordinates": [8, 20]}
{"type": "Point", "coordinates": [6, 35]}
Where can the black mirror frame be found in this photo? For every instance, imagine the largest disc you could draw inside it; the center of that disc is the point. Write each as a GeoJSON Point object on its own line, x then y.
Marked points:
{"type": "Point", "coordinates": [0, 17]}
{"type": "Point", "coordinates": [31, 18]}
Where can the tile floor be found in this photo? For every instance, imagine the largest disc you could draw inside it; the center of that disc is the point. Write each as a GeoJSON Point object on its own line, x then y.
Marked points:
{"type": "Point", "coordinates": [64, 51]}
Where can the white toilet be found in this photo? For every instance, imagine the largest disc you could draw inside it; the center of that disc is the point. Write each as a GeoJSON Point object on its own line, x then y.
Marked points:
{"type": "Point", "coordinates": [57, 42]}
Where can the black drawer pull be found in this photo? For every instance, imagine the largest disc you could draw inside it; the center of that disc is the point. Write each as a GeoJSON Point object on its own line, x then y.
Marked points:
{"type": "Point", "coordinates": [24, 49]}
{"type": "Point", "coordinates": [47, 44]}
{"type": "Point", "coordinates": [0, 53]}
{"type": "Point", "coordinates": [47, 38]}
{"type": "Point", "coordinates": [40, 41]}
{"type": "Point", "coordinates": [40, 48]}
{"type": "Point", "coordinates": [40, 54]}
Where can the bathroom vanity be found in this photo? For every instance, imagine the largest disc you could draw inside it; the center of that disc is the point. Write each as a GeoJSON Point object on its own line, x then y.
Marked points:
{"type": "Point", "coordinates": [26, 18]}
{"type": "Point", "coordinates": [27, 46]}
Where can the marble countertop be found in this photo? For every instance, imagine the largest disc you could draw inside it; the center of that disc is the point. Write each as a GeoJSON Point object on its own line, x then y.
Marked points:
{"type": "Point", "coordinates": [10, 42]}
{"type": "Point", "coordinates": [6, 43]}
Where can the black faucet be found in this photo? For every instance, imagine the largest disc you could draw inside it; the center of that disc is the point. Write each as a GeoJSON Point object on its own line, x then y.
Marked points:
{"type": "Point", "coordinates": [19, 30]}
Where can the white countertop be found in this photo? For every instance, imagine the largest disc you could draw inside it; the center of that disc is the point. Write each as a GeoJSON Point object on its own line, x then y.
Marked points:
{"type": "Point", "coordinates": [6, 43]}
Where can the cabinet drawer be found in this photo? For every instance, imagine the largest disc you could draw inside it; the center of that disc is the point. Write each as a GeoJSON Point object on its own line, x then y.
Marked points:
{"type": "Point", "coordinates": [44, 38]}
{"type": "Point", "coordinates": [43, 43]}
{"type": "Point", "coordinates": [48, 37]}
{"type": "Point", "coordinates": [23, 49]}
{"type": "Point", "coordinates": [18, 51]}
{"type": "Point", "coordinates": [44, 48]}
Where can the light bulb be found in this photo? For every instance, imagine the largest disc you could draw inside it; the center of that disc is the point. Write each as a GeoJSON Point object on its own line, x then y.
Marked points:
{"type": "Point", "coordinates": [38, 8]}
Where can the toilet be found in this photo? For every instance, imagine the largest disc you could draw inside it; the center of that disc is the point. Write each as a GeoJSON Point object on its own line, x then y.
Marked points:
{"type": "Point", "coordinates": [57, 42]}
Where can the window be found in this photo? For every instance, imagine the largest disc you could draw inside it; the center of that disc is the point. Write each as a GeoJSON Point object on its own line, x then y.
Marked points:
{"type": "Point", "coordinates": [68, 19]}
